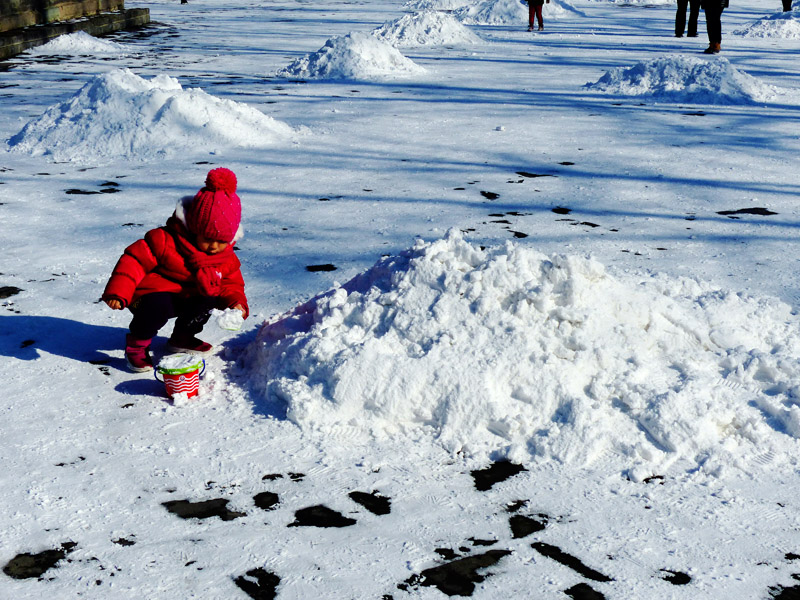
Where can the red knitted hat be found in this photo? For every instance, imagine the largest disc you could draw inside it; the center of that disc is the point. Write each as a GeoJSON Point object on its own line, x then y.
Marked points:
{"type": "Point", "coordinates": [216, 211]}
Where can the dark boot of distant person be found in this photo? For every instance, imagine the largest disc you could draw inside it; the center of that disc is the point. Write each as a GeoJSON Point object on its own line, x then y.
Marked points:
{"type": "Point", "coordinates": [713, 48]}
{"type": "Point", "coordinates": [680, 17]}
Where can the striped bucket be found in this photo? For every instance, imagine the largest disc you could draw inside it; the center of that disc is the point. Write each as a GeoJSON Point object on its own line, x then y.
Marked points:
{"type": "Point", "coordinates": [181, 374]}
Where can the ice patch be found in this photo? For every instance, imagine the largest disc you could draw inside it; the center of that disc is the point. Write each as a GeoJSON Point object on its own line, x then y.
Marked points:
{"type": "Point", "coordinates": [677, 78]}
{"type": "Point", "coordinates": [357, 56]}
{"type": "Point", "coordinates": [783, 25]}
{"type": "Point", "coordinates": [426, 29]}
{"type": "Point", "coordinates": [79, 43]}
{"type": "Point", "coordinates": [508, 351]}
{"type": "Point", "coordinates": [119, 115]}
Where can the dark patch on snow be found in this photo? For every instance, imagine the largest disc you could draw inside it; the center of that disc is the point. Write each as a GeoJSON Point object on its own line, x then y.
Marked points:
{"type": "Point", "coordinates": [266, 500]}
{"type": "Point", "coordinates": [446, 553]}
{"type": "Point", "coordinates": [133, 225]}
{"type": "Point", "coordinates": [258, 584]}
{"type": "Point", "coordinates": [519, 234]}
{"type": "Point", "coordinates": [531, 175]}
{"type": "Point", "coordinates": [374, 502]}
{"type": "Point", "coordinates": [516, 505]}
{"type": "Point", "coordinates": [28, 566]}
{"type": "Point", "coordinates": [75, 462]}
{"type": "Point", "coordinates": [587, 223]}
{"type": "Point", "coordinates": [317, 268]}
{"type": "Point", "coordinates": [495, 473]}
{"type": "Point", "coordinates": [324, 199]}
{"type": "Point", "coordinates": [320, 516]}
{"type": "Point", "coordinates": [570, 561]}
{"type": "Point", "coordinates": [271, 477]}
{"type": "Point", "coordinates": [124, 542]}
{"type": "Point", "coordinates": [27, 343]}
{"type": "Point", "coordinates": [297, 476]}
{"type": "Point", "coordinates": [503, 221]}
{"type": "Point", "coordinates": [698, 113]}
{"type": "Point", "coordinates": [77, 192]}
{"type": "Point", "coordinates": [560, 210]}
{"type": "Point", "coordinates": [459, 188]}
{"type": "Point", "coordinates": [779, 592]}
{"type": "Point", "coordinates": [489, 195]}
{"type": "Point", "coordinates": [218, 507]}
{"type": "Point", "coordinates": [655, 479]}
{"type": "Point", "coordinates": [522, 526]}
{"type": "Point", "coordinates": [458, 577]}
{"type": "Point", "coordinates": [479, 542]}
{"type": "Point", "coordinates": [756, 210]}
{"type": "Point", "coordinates": [9, 290]}
{"type": "Point", "coordinates": [566, 163]}
{"type": "Point", "coordinates": [583, 591]}
{"type": "Point", "coordinates": [791, 556]}
{"type": "Point", "coordinates": [675, 577]}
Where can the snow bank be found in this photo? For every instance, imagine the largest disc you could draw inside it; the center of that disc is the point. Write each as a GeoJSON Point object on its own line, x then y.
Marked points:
{"type": "Point", "coordinates": [509, 351]}
{"type": "Point", "coordinates": [784, 25]}
{"type": "Point", "coordinates": [120, 115]}
{"type": "Point", "coordinates": [677, 78]}
{"type": "Point", "coordinates": [426, 29]}
{"type": "Point", "coordinates": [414, 5]}
{"type": "Point", "coordinates": [353, 56]}
{"type": "Point", "coordinates": [79, 43]}
{"type": "Point", "coordinates": [511, 12]}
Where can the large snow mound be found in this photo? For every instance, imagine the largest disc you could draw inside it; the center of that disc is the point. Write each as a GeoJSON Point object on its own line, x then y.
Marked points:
{"type": "Point", "coordinates": [784, 25]}
{"type": "Point", "coordinates": [678, 78]}
{"type": "Point", "coordinates": [426, 28]}
{"type": "Point", "coordinates": [120, 115]}
{"type": "Point", "coordinates": [511, 12]}
{"type": "Point", "coordinates": [357, 55]}
{"type": "Point", "coordinates": [78, 43]}
{"type": "Point", "coordinates": [506, 351]}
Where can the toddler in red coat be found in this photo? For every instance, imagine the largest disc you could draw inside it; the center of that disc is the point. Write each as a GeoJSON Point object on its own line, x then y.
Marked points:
{"type": "Point", "coordinates": [182, 270]}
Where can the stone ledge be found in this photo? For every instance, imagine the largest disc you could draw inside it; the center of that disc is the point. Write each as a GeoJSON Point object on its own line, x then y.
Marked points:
{"type": "Point", "coordinates": [18, 40]}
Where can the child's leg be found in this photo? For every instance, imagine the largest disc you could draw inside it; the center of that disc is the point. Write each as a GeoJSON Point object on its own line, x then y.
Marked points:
{"type": "Point", "coordinates": [531, 13]}
{"type": "Point", "coordinates": [539, 15]}
{"type": "Point", "coordinates": [150, 313]}
{"type": "Point", "coordinates": [193, 313]}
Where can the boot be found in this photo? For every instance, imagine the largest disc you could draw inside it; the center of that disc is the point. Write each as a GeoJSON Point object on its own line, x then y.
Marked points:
{"type": "Point", "coordinates": [188, 344]}
{"type": "Point", "coordinates": [137, 353]}
{"type": "Point", "coordinates": [713, 48]}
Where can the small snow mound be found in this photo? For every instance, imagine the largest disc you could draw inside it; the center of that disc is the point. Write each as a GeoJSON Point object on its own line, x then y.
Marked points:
{"type": "Point", "coordinates": [507, 351]}
{"type": "Point", "coordinates": [425, 29]}
{"type": "Point", "coordinates": [677, 78]}
{"type": "Point", "coordinates": [784, 25]}
{"type": "Point", "coordinates": [511, 12]}
{"type": "Point", "coordinates": [357, 55]}
{"type": "Point", "coordinates": [414, 5]}
{"type": "Point", "coordinates": [79, 43]}
{"type": "Point", "coordinates": [119, 115]}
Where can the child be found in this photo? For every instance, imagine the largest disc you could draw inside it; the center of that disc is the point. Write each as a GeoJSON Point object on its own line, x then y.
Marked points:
{"type": "Point", "coordinates": [182, 270]}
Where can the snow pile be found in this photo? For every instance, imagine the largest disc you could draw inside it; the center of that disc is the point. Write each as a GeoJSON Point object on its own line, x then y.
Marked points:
{"type": "Point", "coordinates": [506, 350]}
{"type": "Point", "coordinates": [415, 5]}
{"type": "Point", "coordinates": [510, 12]}
{"type": "Point", "coordinates": [426, 28]}
{"type": "Point", "coordinates": [79, 43]}
{"type": "Point", "coordinates": [784, 25]}
{"type": "Point", "coordinates": [677, 78]}
{"type": "Point", "coordinates": [120, 115]}
{"type": "Point", "coordinates": [353, 56]}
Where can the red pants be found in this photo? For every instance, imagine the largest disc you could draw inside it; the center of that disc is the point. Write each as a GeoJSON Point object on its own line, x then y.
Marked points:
{"type": "Point", "coordinates": [534, 9]}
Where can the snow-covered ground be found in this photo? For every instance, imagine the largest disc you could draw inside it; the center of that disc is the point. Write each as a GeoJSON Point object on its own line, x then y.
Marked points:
{"type": "Point", "coordinates": [524, 305]}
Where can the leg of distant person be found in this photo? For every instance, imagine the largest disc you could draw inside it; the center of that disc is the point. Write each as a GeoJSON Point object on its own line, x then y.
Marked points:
{"type": "Point", "coordinates": [680, 17]}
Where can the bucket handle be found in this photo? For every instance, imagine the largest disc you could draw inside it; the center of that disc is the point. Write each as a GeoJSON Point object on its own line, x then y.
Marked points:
{"type": "Point", "coordinates": [203, 370]}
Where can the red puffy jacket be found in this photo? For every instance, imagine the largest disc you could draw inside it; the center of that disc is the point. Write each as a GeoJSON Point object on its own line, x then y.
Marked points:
{"type": "Point", "coordinates": [154, 264]}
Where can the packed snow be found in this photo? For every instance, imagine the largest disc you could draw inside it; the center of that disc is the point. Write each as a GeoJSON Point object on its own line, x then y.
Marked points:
{"type": "Point", "coordinates": [681, 78]}
{"type": "Point", "coordinates": [78, 43]}
{"type": "Point", "coordinates": [427, 28]}
{"type": "Point", "coordinates": [356, 55]}
{"type": "Point", "coordinates": [510, 336]}
{"type": "Point", "coordinates": [121, 115]}
{"type": "Point", "coordinates": [782, 25]}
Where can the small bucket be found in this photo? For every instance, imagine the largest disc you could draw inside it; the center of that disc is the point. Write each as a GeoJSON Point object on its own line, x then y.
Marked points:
{"type": "Point", "coordinates": [181, 374]}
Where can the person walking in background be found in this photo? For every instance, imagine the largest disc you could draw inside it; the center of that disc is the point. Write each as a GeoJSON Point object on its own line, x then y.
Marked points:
{"type": "Point", "coordinates": [535, 10]}
{"type": "Point", "coordinates": [713, 10]}
{"type": "Point", "coordinates": [680, 17]}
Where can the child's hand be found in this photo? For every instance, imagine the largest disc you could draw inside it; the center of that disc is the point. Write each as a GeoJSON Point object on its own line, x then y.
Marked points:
{"type": "Point", "coordinates": [241, 308]}
{"type": "Point", "coordinates": [114, 304]}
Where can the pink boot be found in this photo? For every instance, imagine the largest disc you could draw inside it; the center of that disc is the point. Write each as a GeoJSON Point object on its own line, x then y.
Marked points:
{"type": "Point", "coordinates": [138, 354]}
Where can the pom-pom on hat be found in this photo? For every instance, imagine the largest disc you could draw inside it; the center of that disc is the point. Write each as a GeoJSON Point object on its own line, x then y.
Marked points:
{"type": "Point", "coordinates": [216, 211]}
